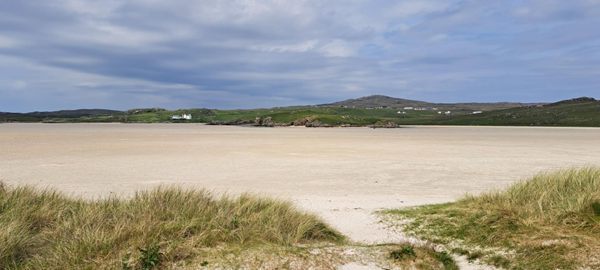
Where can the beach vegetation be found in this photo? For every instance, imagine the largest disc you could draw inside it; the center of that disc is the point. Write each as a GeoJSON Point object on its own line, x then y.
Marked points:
{"type": "Point", "coordinates": [549, 221]}
{"type": "Point", "coordinates": [154, 229]}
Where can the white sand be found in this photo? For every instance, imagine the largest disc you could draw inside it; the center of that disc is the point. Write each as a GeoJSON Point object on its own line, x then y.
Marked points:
{"type": "Point", "coordinates": [343, 174]}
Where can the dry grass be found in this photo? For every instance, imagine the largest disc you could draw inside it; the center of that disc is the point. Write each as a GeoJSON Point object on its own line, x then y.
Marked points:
{"type": "Point", "coordinates": [44, 229]}
{"type": "Point", "coordinates": [565, 197]}
{"type": "Point", "coordinates": [551, 221]}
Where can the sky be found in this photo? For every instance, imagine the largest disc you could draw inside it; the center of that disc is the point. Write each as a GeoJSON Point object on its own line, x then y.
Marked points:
{"type": "Point", "coordinates": [118, 54]}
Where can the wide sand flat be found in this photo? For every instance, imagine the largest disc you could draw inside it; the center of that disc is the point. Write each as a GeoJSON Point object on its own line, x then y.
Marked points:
{"type": "Point", "coordinates": [342, 173]}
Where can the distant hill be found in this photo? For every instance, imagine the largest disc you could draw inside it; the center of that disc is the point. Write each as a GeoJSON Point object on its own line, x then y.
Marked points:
{"type": "Point", "coordinates": [583, 111]}
{"type": "Point", "coordinates": [39, 116]}
{"type": "Point", "coordinates": [377, 101]}
{"type": "Point", "coordinates": [366, 111]}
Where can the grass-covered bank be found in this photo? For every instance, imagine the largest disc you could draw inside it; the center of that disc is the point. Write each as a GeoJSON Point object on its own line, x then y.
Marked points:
{"type": "Point", "coordinates": [44, 229]}
{"type": "Point", "coordinates": [551, 221]}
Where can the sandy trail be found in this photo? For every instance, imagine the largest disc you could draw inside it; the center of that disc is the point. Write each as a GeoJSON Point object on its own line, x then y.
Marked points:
{"type": "Point", "coordinates": [343, 174]}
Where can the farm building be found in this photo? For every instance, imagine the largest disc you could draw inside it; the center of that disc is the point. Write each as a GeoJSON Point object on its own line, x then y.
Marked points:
{"type": "Point", "coordinates": [182, 117]}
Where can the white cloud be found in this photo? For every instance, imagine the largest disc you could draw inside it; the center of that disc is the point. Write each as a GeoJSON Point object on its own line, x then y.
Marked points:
{"type": "Point", "coordinates": [101, 9]}
{"type": "Point", "coordinates": [6, 42]}
{"type": "Point", "coordinates": [20, 85]}
{"type": "Point", "coordinates": [337, 48]}
{"type": "Point", "coordinates": [438, 37]}
{"type": "Point", "coordinates": [414, 7]}
{"type": "Point", "coordinates": [302, 47]}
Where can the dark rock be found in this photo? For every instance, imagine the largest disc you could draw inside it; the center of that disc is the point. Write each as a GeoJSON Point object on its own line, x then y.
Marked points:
{"type": "Point", "coordinates": [387, 125]}
{"type": "Point", "coordinates": [236, 122]}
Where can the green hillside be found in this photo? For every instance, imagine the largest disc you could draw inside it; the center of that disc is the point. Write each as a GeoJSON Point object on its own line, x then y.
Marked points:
{"type": "Point", "coordinates": [575, 112]}
{"type": "Point", "coordinates": [67, 114]}
{"type": "Point", "coordinates": [376, 101]}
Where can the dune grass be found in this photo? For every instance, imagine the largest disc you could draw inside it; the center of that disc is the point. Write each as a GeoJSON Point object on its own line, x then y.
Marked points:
{"type": "Point", "coordinates": [44, 229]}
{"type": "Point", "coordinates": [551, 221]}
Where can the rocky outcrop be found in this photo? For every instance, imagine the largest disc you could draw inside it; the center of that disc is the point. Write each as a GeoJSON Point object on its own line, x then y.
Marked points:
{"type": "Point", "coordinates": [318, 124]}
{"type": "Point", "coordinates": [236, 122]}
{"type": "Point", "coordinates": [386, 125]}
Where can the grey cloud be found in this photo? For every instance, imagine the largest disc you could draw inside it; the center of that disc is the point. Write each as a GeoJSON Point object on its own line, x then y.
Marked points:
{"type": "Point", "coordinates": [244, 54]}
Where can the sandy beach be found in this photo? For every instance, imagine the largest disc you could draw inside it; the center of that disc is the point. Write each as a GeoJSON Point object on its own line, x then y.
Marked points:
{"type": "Point", "coordinates": [343, 174]}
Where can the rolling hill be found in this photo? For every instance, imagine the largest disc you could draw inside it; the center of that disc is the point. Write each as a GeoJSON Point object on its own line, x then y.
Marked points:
{"type": "Point", "coordinates": [40, 116]}
{"type": "Point", "coordinates": [367, 111]}
{"type": "Point", "coordinates": [575, 112]}
{"type": "Point", "coordinates": [376, 101]}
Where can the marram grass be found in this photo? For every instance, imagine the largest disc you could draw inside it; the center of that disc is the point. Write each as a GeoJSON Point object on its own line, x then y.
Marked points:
{"type": "Point", "coordinates": [44, 229]}
{"type": "Point", "coordinates": [550, 221]}
{"type": "Point", "coordinates": [565, 197]}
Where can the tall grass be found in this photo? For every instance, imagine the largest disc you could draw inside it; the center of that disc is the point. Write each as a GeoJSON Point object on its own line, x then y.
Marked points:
{"type": "Point", "coordinates": [567, 197]}
{"type": "Point", "coordinates": [44, 229]}
{"type": "Point", "coordinates": [550, 221]}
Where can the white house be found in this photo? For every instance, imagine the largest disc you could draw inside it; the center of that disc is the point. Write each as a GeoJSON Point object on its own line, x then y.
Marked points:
{"type": "Point", "coordinates": [408, 108]}
{"type": "Point", "coordinates": [182, 117]}
{"type": "Point", "coordinates": [401, 112]}
{"type": "Point", "coordinates": [476, 112]}
{"type": "Point", "coordinates": [448, 113]}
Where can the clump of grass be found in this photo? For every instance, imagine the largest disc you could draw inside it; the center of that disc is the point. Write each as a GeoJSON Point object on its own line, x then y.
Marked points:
{"type": "Point", "coordinates": [550, 221]}
{"type": "Point", "coordinates": [44, 229]}
{"type": "Point", "coordinates": [566, 197]}
{"type": "Point", "coordinates": [422, 257]}
{"type": "Point", "coordinates": [403, 253]}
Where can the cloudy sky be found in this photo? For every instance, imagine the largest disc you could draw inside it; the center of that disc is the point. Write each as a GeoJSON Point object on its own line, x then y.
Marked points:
{"type": "Point", "coordinates": [121, 54]}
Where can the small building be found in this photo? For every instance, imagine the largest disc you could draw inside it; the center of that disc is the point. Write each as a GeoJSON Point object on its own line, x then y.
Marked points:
{"type": "Point", "coordinates": [476, 112]}
{"type": "Point", "coordinates": [408, 108]}
{"type": "Point", "coordinates": [440, 112]}
{"type": "Point", "coordinates": [401, 112]}
{"type": "Point", "coordinates": [448, 113]}
{"type": "Point", "coordinates": [182, 117]}
{"type": "Point", "coordinates": [435, 109]}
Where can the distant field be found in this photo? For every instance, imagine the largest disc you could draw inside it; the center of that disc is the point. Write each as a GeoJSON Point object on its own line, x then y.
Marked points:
{"type": "Point", "coordinates": [584, 112]}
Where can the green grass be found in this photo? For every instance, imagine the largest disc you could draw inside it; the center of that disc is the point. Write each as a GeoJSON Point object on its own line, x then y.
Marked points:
{"type": "Point", "coordinates": [567, 113]}
{"type": "Point", "coordinates": [422, 257]}
{"type": "Point", "coordinates": [583, 112]}
{"type": "Point", "coordinates": [44, 229]}
{"type": "Point", "coordinates": [547, 222]}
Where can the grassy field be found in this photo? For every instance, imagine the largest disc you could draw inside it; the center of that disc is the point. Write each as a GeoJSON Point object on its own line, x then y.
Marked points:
{"type": "Point", "coordinates": [584, 112]}
{"type": "Point", "coordinates": [165, 227]}
{"type": "Point", "coordinates": [577, 112]}
{"type": "Point", "coordinates": [551, 221]}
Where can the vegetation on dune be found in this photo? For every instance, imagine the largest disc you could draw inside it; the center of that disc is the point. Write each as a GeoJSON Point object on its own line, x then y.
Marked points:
{"type": "Point", "coordinates": [551, 221]}
{"type": "Point", "coordinates": [422, 257]}
{"type": "Point", "coordinates": [43, 229]}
